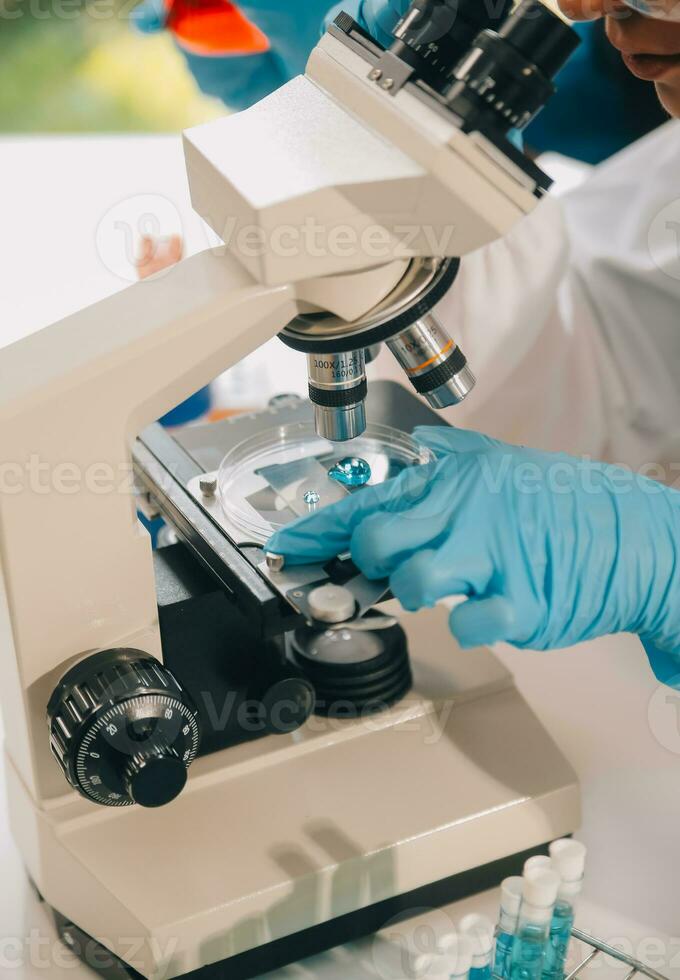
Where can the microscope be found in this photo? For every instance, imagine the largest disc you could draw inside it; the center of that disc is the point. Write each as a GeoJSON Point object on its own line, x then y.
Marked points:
{"type": "Point", "coordinates": [217, 764]}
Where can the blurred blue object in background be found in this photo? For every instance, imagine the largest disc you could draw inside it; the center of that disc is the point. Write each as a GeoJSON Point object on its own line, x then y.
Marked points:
{"type": "Point", "coordinates": [599, 107]}
{"type": "Point", "coordinates": [193, 408]}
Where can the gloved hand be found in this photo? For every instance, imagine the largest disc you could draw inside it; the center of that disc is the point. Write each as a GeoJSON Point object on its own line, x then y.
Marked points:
{"type": "Point", "coordinates": [293, 28]}
{"type": "Point", "coordinates": [238, 53]}
{"type": "Point", "coordinates": [378, 17]}
{"type": "Point", "coordinates": [550, 550]}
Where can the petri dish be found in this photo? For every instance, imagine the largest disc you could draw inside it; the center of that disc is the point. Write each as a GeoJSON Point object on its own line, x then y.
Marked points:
{"type": "Point", "coordinates": [281, 474]}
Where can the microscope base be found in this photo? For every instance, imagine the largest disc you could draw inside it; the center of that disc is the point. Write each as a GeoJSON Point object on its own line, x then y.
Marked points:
{"type": "Point", "coordinates": [289, 844]}
{"type": "Point", "coordinates": [310, 942]}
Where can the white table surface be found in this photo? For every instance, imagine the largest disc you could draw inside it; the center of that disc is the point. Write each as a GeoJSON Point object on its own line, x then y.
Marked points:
{"type": "Point", "coordinates": [67, 206]}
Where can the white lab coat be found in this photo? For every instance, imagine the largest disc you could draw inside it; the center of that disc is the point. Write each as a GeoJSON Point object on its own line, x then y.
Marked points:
{"type": "Point", "coordinates": [572, 322]}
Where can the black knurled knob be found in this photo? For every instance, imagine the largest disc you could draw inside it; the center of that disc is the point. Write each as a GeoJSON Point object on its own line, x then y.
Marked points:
{"type": "Point", "coordinates": [123, 729]}
{"type": "Point", "coordinates": [156, 777]}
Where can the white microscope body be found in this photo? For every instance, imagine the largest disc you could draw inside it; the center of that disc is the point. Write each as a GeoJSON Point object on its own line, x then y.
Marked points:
{"type": "Point", "coordinates": [276, 836]}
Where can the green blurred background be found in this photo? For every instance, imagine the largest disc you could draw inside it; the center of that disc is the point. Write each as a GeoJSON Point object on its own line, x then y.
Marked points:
{"type": "Point", "coordinates": [69, 66]}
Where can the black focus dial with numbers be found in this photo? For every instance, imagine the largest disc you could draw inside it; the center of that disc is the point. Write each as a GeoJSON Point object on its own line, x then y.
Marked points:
{"type": "Point", "coordinates": [123, 730]}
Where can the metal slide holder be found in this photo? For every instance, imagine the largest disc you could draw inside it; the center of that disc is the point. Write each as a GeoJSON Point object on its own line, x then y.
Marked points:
{"type": "Point", "coordinates": [597, 946]}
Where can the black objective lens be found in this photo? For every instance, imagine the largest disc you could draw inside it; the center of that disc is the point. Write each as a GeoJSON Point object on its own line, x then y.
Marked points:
{"type": "Point", "coordinates": [435, 34]}
{"type": "Point", "coordinates": [507, 76]}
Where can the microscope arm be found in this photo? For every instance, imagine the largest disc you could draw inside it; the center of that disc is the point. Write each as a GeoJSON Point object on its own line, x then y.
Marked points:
{"type": "Point", "coordinates": [77, 564]}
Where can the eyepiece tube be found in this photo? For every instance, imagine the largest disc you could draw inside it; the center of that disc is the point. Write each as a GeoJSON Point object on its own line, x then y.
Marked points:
{"type": "Point", "coordinates": [434, 364]}
{"type": "Point", "coordinates": [507, 76]}
{"type": "Point", "coordinates": [337, 389]}
{"type": "Point", "coordinates": [434, 35]}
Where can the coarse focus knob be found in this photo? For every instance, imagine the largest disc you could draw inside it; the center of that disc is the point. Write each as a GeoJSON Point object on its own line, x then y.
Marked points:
{"type": "Point", "coordinates": [123, 729]}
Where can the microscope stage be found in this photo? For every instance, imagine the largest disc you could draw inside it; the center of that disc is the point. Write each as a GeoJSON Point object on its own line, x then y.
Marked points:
{"type": "Point", "coordinates": [227, 539]}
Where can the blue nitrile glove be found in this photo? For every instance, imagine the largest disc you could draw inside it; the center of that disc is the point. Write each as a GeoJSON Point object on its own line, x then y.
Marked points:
{"type": "Point", "coordinates": [241, 80]}
{"type": "Point", "coordinates": [237, 80]}
{"type": "Point", "coordinates": [378, 17]}
{"type": "Point", "coordinates": [293, 28]}
{"type": "Point", "coordinates": [550, 550]}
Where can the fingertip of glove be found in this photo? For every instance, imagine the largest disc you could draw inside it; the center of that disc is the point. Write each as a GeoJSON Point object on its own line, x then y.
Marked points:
{"type": "Point", "coordinates": [296, 548]}
{"type": "Point", "coordinates": [446, 439]}
{"type": "Point", "coordinates": [480, 622]}
{"type": "Point", "coordinates": [665, 666]}
{"type": "Point", "coordinates": [421, 580]}
{"type": "Point", "coordinates": [432, 436]}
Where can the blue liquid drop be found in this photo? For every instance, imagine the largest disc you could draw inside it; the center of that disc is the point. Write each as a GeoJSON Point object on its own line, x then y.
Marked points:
{"type": "Point", "coordinates": [311, 498]}
{"type": "Point", "coordinates": [350, 471]}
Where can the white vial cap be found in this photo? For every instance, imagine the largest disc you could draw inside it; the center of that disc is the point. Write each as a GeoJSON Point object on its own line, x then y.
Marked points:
{"type": "Point", "coordinates": [569, 858]}
{"type": "Point", "coordinates": [540, 889]}
{"type": "Point", "coordinates": [539, 862]}
{"type": "Point", "coordinates": [511, 894]}
{"type": "Point", "coordinates": [459, 965]}
{"type": "Point", "coordinates": [480, 930]}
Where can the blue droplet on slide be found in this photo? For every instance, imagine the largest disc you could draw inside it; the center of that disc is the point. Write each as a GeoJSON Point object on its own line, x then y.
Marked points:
{"type": "Point", "coordinates": [350, 471]}
{"type": "Point", "coordinates": [311, 498]}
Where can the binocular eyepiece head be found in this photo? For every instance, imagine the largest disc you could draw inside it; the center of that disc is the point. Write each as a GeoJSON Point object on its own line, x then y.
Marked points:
{"type": "Point", "coordinates": [494, 68]}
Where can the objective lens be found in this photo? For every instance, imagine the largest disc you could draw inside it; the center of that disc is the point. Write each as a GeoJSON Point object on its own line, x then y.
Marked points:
{"type": "Point", "coordinates": [337, 389]}
{"type": "Point", "coordinates": [435, 34]}
{"type": "Point", "coordinates": [507, 76]}
{"type": "Point", "coordinates": [435, 366]}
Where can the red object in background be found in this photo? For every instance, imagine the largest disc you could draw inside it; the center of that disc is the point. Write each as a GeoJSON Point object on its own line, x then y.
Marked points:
{"type": "Point", "coordinates": [213, 27]}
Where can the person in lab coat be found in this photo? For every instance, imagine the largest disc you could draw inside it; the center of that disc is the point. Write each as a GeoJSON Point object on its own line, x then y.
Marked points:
{"type": "Point", "coordinates": [572, 324]}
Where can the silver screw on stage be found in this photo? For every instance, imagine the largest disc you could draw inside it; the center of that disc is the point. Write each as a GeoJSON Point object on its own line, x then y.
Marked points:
{"type": "Point", "coordinates": [208, 485]}
{"type": "Point", "coordinates": [274, 562]}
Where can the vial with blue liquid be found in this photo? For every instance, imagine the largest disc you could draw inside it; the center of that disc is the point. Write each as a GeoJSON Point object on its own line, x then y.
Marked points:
{"type": "Point", "coordinates": [539, 893]}
{"type": "Point", "coordinates": [568, 859]}
{"type": "Point", "coordinates": [459, 956]}
{"type": "Point", "coordinates": [479, 929]}
{"type": "Point", "coordinates": [508, 918]}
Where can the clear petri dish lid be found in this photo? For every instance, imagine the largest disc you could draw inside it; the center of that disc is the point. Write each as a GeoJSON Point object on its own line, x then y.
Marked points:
{"type": "Point", "coordinates": [271, 479]}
